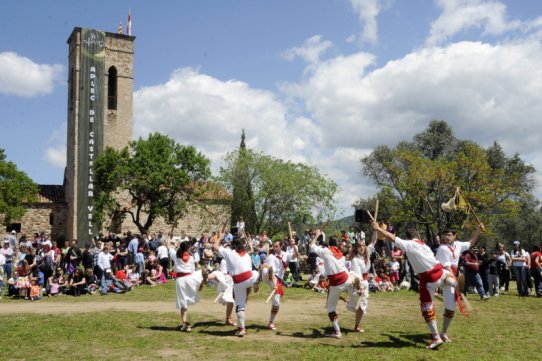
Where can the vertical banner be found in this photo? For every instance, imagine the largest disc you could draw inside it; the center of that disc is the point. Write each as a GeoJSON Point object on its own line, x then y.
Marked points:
{"type": "Point", "coordinates": [91, 127]}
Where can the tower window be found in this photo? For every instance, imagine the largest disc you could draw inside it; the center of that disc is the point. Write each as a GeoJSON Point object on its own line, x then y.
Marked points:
{"type": "Point", "coordinates": [112, 89]}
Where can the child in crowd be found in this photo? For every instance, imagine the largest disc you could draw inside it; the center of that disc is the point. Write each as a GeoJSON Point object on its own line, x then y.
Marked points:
{"type": "Point", "coordinates": [395, 267]}
{"type": "Point", "coordinates": [312, 280]}
{"type": "Point", "coordinates": [54, 286]}
{"type": "Point", "coordinates": [373, 284]}
{"type": "Point", "coordinates": [91, 281]}
{"type": "Point", "coordinates": [322, 285]}
{"type": "Point", "coordinates": [288, 280]}
{"type": "Point", "coordinates": [35, 290]}
{"type": "Point", "coordinates": [134, 276]}
{"type": "Point", "coordinates": [384, 282]}
{"type": "Point", "coordinates": [139, 261]}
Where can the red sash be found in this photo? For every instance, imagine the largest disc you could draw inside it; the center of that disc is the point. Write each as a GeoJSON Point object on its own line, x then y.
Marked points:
{"type": "Point", "coordinates": [182, 274]}
{"type": "Point", "coordinates": [433, 275]}
{"type": "Point", "coordinates": [365, 276]}
{"type": "Point", "coordinates": [280, 288]}
{"type": "Point", "coordinates": [338, 278]}
{"type": "Point", "coordinates": [242, 277]}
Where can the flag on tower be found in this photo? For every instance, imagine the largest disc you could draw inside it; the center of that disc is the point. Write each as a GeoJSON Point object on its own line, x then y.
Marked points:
{"type": "Point", "coordinates": [120, 28]}
{"type": "Point", "coordinates": [129, 26]}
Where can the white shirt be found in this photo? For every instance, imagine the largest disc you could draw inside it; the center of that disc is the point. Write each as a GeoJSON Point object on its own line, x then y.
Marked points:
{"type": "Point", "coordinates": [448, 254]}
{"type": "Point", "coordinates": [290, 250]}
{"type": "Point", "coordinates": [223, 267]}
{"type": "Point", "coordinates": [237, 264]}
{"type": "Point", "coordinates": [360, 266]}
{"type": "Point", "coordinates": [162, 252]}
{"type": "Point", "coordinates": [519, 253]}
{"type": "Point", "coordinates": [332, 265]}
{"type": "Point", "coordinates": [278, 266]}
{"type": "Point", "coordinates": [184, 267]}
{"type": "Point", "coordinates": [419, 255]}
{"type": "Point", "coordinates": [104, 261]}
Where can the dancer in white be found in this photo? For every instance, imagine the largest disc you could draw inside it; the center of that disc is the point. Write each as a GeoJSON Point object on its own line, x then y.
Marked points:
{"type": "Point", "coordinates": [224, 289]}
{"type": "Point", "coordinates": [432, 275]}
{"type": "Point", "coordinates": [240, 267]}
{"type": "Point", "coordinates": [273, 275]}
{"type": "Point", "coordinates": [188, 281]}
{"type": "Point", "coordinates": [339, 279]}
{"type": "Point", "coordinates": [360, 269]}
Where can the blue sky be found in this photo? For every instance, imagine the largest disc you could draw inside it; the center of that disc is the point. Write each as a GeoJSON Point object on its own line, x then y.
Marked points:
{"type": "Point", "coordinates": [318, 81]}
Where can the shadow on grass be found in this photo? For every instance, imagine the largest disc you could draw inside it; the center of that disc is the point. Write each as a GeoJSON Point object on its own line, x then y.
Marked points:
{"type": "Point", "coordinates": [315, 333]}
{"type": "Point", "coordinates": [397, 341]}
{"type": "Point", "coordinates": [230, 331]}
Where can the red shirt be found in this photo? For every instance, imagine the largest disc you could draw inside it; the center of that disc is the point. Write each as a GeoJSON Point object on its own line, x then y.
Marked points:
{"type": "Point", "coordinates": [536, 255]}
{"type": "Point", "coordinates": [471, 259]}
{"type": "Point", "coordinates": [121, 275]}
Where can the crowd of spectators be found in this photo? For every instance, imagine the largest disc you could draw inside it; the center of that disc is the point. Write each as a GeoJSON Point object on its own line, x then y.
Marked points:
{"type": "Point", "coordinates": [37, 267]}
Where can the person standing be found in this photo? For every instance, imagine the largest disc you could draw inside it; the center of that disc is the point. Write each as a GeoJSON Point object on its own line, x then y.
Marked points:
{"type": "Point", "coordinates": [505, 262]}
{"type": "Point", "coordinates": [273, 274]}
{"type": "Point", "coordinates": [7, 252]}
{"type": "Point", "coordinates": [188, 281]}
{"type": "Point", "coordinates": [472, 275]}
{"type": "Point", "coordinates": [337, 275]}
{"type": "Point", "coordinates": [536, 270]}
{"type": "Point", "coordinates": [432, 274]}
{"type": "Point", "coordinates": [239, 264]}
{"type": "Point", "coordinates": [519, 266]}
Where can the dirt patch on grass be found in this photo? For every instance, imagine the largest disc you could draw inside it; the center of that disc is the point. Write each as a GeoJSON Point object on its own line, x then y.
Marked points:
{"type": "Point", "coordinates": [256, 309]}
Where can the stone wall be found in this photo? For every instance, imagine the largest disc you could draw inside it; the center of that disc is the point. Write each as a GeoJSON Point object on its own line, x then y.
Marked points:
{"type": "Point", "coordinates": [47, 218]}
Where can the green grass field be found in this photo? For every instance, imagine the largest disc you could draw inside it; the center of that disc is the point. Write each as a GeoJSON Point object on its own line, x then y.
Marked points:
{"type": "Point", "coordinates": [504, 328]}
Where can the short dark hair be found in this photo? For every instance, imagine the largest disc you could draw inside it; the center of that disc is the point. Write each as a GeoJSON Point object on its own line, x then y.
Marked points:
{"type": "Point", "coordinates": [448, 230]}
{"type": "Point", "coordinates": [332, 241]}
{"type": "Point", "coordinates": [412, 233]}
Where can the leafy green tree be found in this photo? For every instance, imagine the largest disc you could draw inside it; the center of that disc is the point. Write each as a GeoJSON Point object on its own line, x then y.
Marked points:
{"type": "Point", "coordinates": [271, 192]}
{"type": "Point", "coordinates": [16, 189]}
{"type": "Point", "coordinates": [417, 177]}
{"type": "Point", "coordinates": [160, 178]}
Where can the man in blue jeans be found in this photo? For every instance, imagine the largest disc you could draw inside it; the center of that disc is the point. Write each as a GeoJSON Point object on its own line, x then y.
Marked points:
{"type": "Point", "coordinates": [472, 275]}
{"type": "Point", "coordinates": [519, 266]}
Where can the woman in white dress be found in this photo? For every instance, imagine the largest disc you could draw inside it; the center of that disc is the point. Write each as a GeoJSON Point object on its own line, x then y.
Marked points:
{"type": "Point", "coordinates": [360, 270]}
{"type": "Point", "coordinates": [188, 281]}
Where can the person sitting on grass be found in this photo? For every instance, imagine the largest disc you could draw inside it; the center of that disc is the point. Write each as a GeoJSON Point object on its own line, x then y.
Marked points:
{"type": "Point", "coordinates": [77, 283]}
{"type": "Point", "coordinates": [109, 284]}
{"type": "Point", "coordinates": [157, 274]}
{"type": "Point", "coordinates": [288, 279]}
{"type": "Point", "coordinates": [35, 290]}
{"type": "Point", "coordinates": [91, 284]}
{"type": "Point", "coordinates": [322, 285]}
{"type": "Point", "coordinates": [312, 280]}
{"type": "Point", "coordinates": [53, 285]}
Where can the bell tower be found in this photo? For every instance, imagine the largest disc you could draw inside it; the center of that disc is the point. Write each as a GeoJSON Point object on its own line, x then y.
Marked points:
{"type": "Point", "coordinates": [100, 98]}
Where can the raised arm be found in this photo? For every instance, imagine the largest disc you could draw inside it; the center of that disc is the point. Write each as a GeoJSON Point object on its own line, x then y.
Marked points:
{"type": "Point", "coordinates": [388, 235]}
{"type": "Point", "coordinates": [218, 241]}
{"type": "Point", "coordinates": [476, 235]}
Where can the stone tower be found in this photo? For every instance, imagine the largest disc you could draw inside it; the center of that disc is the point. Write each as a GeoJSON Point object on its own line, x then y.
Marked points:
{"type": "Point", "coordinates": [100, 97]}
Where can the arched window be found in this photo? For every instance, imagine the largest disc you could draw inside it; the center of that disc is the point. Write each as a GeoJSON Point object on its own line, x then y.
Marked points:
{"type": "Point", "coordinates": [112, 88]}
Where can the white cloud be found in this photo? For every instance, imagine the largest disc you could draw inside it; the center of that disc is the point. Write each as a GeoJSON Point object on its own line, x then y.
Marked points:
{"type": "Point", "coordinates": [56, 156]}
{"type": "Point", "coordinates": [461, 15]}
{"type": "Point", "coordinates": [485, 92]}
{"type": "Point", "coordinates": [367, 10]}
{"type": "Point", "coordinates": [310, 51]}
{"type": "Point", "coordinates": [55, 153]}
{"type": "Point", "coordinates": [21, 76]}
{"type": "Point", "coordinates": [209, 113]}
